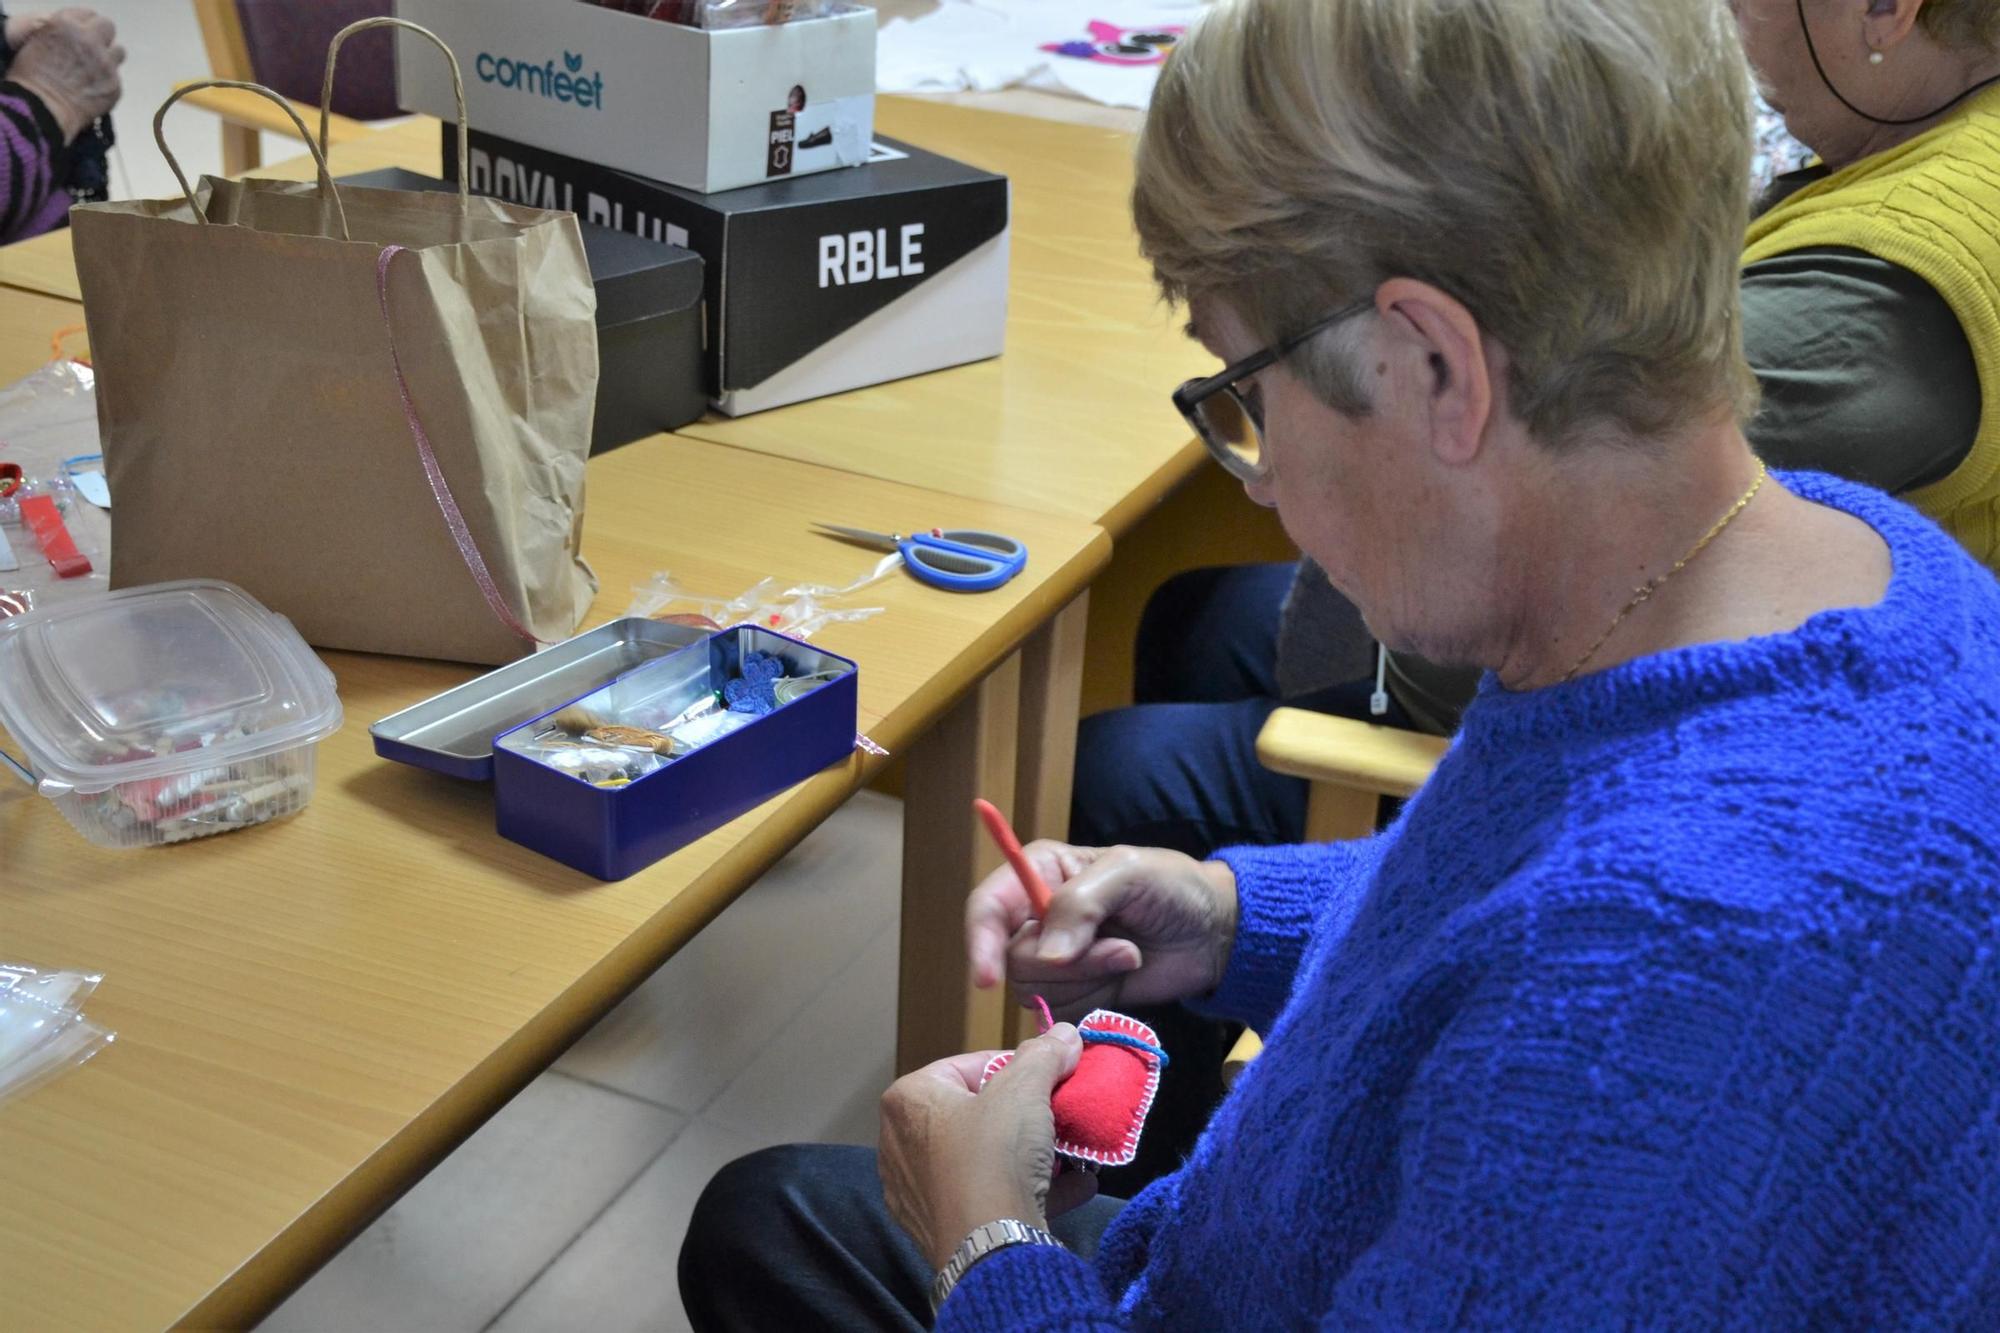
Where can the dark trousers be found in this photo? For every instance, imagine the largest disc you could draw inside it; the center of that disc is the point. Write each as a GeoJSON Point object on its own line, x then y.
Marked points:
{"type": "Point", "coordinates": [1179, 769]}
{"type": "Point", "coordinates": [799, 1238]}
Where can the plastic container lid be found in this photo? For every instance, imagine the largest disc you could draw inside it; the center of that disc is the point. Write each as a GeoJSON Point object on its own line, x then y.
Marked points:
{"type": "Point", "coordinates": [158, 681]}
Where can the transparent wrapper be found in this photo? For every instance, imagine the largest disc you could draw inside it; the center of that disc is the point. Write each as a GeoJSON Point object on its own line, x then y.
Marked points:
{"type": "Point", "coordinates": [58, 988]}
{"type": "Point", "coordinates": [48, 418]}
{"type": "Point", "coordinates": [43, 1031]}
{"type": "Point", "coordinates": [799, 611]}
{"type": "Point", "coordinates": [724, 13]}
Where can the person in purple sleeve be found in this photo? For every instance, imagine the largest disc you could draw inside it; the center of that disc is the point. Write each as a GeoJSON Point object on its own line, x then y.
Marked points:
{"type": "Point", "coordinates": [58, 78]}
{"type": "Point", "coordinates": [1669, 1001]}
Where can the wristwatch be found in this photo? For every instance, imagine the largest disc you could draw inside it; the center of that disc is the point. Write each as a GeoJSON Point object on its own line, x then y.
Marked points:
{"type": "Point", "coordinates": [982, 1242]}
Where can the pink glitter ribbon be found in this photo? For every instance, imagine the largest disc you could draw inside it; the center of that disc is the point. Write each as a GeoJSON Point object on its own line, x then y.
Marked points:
{"type": "Point", "coordinates": [468, 549]}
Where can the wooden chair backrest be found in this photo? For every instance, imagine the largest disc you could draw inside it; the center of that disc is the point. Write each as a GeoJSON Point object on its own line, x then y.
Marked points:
{"type": "Point", "coordinates": [222, 34]}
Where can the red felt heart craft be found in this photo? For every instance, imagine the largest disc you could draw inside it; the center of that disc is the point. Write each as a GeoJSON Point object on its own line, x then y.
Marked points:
{"type": "Point", "coordinates": [1101, 1108]}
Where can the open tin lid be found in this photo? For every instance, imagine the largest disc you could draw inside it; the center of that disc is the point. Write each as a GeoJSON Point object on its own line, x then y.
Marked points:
{"type": "Point", "coordinates": [453, 732]}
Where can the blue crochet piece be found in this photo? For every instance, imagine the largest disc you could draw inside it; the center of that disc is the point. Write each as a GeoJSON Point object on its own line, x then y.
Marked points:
{"type": "Point", "coordinates": [1667, 1003]}
{"type": "Point", "coordinates": [751, 692]}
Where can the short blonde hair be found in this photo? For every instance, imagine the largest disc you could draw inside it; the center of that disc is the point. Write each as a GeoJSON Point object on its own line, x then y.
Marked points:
{"type": "Point", "coordinates": [1576, 172]}
{"type": "Point", "coordinates": [1965, 25]}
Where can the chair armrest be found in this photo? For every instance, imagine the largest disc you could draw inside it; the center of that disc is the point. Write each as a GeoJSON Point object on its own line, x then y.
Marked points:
{"type": "Point", "coordinates": [1346, 753]}
{"type": "Point", "coordinates": [1240, 1055]}
{"type": "Point", "coordinates": [237, 107]}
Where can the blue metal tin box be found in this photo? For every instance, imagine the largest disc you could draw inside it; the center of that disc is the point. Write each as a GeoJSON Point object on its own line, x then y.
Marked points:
{"type": "Point", "coordinates": [613, 832]}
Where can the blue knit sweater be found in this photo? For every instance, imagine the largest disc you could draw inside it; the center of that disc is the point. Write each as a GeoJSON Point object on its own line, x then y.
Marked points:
{"type": "Point", "coordinates": [1672, 1001]}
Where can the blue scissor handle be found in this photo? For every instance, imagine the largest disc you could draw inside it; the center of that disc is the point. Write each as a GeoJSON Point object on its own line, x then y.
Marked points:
{"type": "Point", "coordinates": [964, 559]}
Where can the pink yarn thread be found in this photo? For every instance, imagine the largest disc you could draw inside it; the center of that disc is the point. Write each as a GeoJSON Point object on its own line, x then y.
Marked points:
{"type": "Point", "coordinates": [468, 550]}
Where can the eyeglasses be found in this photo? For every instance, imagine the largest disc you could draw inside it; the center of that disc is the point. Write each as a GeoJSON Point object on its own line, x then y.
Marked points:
{"type": "Point", "coordinates": [1228, 413]}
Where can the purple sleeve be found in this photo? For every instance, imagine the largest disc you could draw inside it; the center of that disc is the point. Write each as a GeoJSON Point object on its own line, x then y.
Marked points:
{"type": "Point", "coordinates": [31, 145]}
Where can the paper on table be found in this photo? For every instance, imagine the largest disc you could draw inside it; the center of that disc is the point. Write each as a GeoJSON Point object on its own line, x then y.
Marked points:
{"type": "Point", "coordinates": [45, 417]}
{"type": "Point", "coordinates": [986, 45]}
{"type": "Point", "coordinates": [92, 487]}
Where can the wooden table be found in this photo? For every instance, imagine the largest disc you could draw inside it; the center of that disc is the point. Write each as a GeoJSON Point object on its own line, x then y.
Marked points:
{"type": "Point", "coordinates": [312, 1014]}
{"type": "Point", "coordinates": [1021, 721]}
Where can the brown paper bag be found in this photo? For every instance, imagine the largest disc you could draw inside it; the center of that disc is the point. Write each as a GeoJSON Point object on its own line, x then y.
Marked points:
{"type": "Point", "coordinates": [384, 444]}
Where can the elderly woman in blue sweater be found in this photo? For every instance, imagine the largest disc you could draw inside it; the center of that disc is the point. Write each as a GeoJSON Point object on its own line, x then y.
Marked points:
{"type": "Point", "coordinates": [1671, 1000]}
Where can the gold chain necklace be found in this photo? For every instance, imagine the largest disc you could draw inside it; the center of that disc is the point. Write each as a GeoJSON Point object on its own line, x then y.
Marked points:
{"type": "Point", "coordinates": [1645, 591]}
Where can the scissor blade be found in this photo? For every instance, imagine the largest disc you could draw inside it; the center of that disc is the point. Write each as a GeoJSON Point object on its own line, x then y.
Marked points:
{"type": "Point", "coordinates": [881, 541]}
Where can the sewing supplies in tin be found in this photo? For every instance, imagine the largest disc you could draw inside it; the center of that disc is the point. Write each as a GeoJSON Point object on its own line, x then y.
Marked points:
{"type": "Point", "coordinates": [612, 742]}
{"type": "Point", "coordinates": [956, 559]}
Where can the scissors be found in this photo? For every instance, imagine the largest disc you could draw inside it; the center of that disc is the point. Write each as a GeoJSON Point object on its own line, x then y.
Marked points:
{"type": "Point", "coordinates": [961, 559]}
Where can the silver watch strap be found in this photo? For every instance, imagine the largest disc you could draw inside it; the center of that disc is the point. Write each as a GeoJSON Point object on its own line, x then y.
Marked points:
{"type": "Point", "coordinates": [983, 1241]}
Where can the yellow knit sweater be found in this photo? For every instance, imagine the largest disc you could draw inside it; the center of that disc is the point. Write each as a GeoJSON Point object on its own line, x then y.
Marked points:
{"type": "Point", "coordinates": [1931, 205]}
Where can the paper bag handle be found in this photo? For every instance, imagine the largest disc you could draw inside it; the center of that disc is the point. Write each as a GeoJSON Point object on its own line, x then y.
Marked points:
{"type": "Point", "coordinates": [457, 90]}
{"type": "Point", "coordinates": [319, 159]}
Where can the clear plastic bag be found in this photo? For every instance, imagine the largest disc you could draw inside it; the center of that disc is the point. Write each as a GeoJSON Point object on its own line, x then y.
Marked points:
{"type": "Point", "coordinates": [750, 13]}
{"type": "Point", "coordinates": [43, 1032]}
{"type": "Point", "coordinates": [48, 425]}
{"type": "Point", "coordinates": [725, 13]}
{"type": "Point", "coordinates": [799, 611]}
{"type": "Point", "coordinates": [61, 989]}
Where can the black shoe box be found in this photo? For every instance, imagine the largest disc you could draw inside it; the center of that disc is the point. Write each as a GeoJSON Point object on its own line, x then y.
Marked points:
{"type": "Point", "coordinates": [816, 284]}
{"type": "Point", "coordinates": [649, 324]}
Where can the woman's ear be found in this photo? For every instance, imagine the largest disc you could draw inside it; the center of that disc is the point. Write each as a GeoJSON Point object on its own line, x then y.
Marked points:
{"type": "Point", "coordinates": [1436, 328]}
{"type": "Point", "coordinates": [1886, 24]}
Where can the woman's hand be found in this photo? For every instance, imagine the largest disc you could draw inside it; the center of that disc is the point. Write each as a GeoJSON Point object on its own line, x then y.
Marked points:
{"type": "Point", "coordinates": [70, 60]}
{"type": "Point", "coordinates": [20, 27]}
{"type": "Point", "coordinates": [1127, 925]}
{"type": "Point", "coordinates": [955, 1156]}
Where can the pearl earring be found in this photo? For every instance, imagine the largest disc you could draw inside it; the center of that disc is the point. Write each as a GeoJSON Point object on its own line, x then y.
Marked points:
{"type": "Point", "coordinates": [1874, 57]}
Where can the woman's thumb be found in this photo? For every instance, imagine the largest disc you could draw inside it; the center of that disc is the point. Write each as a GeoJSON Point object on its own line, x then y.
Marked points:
{"type": "Point", "coordinates": [1044, 1061]}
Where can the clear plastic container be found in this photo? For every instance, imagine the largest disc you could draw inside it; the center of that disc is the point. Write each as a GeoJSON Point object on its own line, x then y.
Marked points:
{"type": "Point", "coordinates": [158, 714]}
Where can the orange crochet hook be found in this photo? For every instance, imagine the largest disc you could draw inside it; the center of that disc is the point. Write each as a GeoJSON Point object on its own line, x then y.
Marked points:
{"type": "Point", "coordinates": [1010, 847]}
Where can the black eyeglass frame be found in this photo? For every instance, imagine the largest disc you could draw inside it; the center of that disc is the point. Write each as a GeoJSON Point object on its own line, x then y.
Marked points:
{"type": "Point", "coordinates": [1190, 396]}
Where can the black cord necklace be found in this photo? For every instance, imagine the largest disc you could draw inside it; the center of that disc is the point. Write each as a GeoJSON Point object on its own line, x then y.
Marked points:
{"type": "Point", "coordinates": [1820, 69]}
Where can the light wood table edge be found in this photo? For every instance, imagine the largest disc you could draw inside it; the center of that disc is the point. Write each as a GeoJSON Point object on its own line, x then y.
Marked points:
{"type": "Point", "coordinates": [1122, 517]}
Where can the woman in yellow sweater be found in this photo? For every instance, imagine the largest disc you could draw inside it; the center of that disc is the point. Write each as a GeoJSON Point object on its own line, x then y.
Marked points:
{"type": "Point", "coordinates": [1872, 276]}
